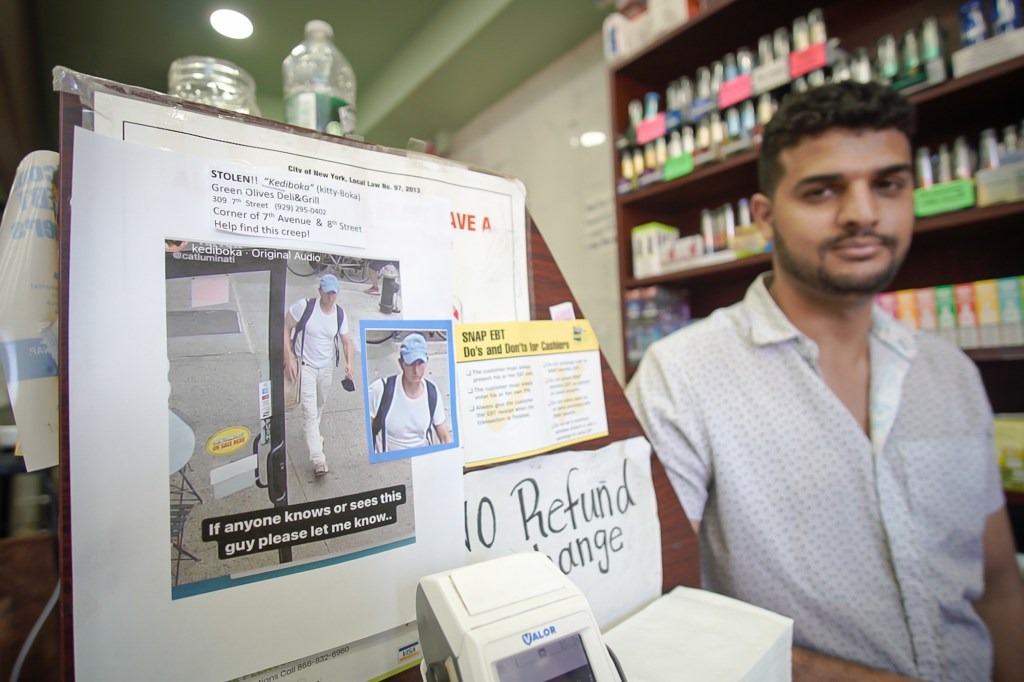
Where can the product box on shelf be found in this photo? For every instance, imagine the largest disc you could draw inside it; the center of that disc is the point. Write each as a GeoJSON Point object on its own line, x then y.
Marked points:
{"type": "Point", "coordinates": [966, 316]}
{"type": "Point", "coordinates": [1009, 442]}
{"type": "Point", "coordinates": [747, 241]}
{"type": "Point", "coordinates": [933, 72]}
{"type": "Point", "coordinates": [945, 313]}
{"type": "Point", "coordinates": [1011, 319]}
{"type": "Point", "coordinates": [927, 314]}
{"type": "Point", "coordinates": [624, 35]}
{"type": "Point", "coordinates": [1000, 185]}
{"type": "Point", "coordinates": [651, 314]}
{"type": "Point", "coordinates": [906, 308]}
{"type": "Point", "coordinates": [648, 241]}
{"type": "Point", "coordinates": [986, 314]}
{"type": "Point", "coordinates": [682, 249]}
{"type": "Point", "coordinates": [700, 261]}
{"type": "Point", "coordinates": [986, 303]}
{"type": "Point", "coordinates": [666, 15]}
{"type": "Point", "coordinates": [988, 53]}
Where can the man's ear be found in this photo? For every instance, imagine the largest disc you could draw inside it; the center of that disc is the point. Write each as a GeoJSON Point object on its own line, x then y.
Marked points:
{"type": "Point", "coordinates": [763, 212]}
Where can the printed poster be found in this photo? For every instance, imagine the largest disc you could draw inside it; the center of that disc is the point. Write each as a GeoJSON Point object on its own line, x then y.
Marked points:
{"type": "Point", "coordinates": [199, 517]}
{"type": "Point", "coordinates": [528, 387]}
{"type": "Point", "coordinates": [486, 221]}
{"type": "Point", "coordinates": [486, 215]}
{"type": "Point", "coordinates": [245, 502]}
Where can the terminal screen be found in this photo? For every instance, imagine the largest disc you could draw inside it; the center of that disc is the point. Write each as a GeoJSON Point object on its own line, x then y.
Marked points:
{"type": "Point", "coordinates": [563, 660]}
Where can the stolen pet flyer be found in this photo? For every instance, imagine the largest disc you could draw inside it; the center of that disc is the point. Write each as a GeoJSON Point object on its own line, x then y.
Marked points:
{"type": "Point", "coordinates": [527, 388]}
{"type": "Point", "coordinates": [275, 204]}
{"type": "Point", "coordinates": [281, 552]}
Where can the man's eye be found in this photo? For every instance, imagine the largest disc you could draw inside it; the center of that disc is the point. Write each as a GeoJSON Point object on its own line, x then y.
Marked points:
{"type": "Point", "coordinates": [818, 193]}
{"type": "Point", "coordinates": [891, 184]}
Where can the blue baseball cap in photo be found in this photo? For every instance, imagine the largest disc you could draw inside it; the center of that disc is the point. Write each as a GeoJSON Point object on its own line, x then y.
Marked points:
{"type": "Point", "coordinates": [414, 348]}
{"type": "Point", "coordinates": [329, 284]}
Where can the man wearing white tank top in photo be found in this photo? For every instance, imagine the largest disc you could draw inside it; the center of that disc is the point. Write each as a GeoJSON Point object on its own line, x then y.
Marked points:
{"type": "Point", "coordinates": [405, 407]}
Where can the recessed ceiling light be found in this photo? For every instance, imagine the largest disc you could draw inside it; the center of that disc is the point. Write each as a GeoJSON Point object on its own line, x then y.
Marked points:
{"type": "Point", "coordinates": [231, 24]}
{"type": "Point", "coordinates": [592, 138]}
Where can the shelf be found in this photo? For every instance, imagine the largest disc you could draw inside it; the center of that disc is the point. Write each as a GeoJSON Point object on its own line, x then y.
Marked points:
{"type": "Point", "coordinates": [1002, 354]}
{"type": "Point", "coordinates": [664, 194]}
{"type": "Point", "coordinates": [986, 78]}
{"type": "Point", "coordinates": [964, 246]}
{"type": "Point", "coordinates": [972, 217]}
{"type": "Point", "coordinates": [751, 262]}
{"type": "Point", "coordinates": [697, 41]}
{"type": "Point", "coordinates": [958, 98]}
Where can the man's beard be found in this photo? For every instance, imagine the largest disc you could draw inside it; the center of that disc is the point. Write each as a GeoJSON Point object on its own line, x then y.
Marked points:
{"type": "Point", "coordinates": [820, 279]}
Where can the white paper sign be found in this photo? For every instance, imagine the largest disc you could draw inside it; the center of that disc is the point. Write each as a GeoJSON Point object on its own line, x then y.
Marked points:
{"type": "Point", "coordinates": [392, 651]}
{"type": "Point", "coordinates": [334, 210]}
{"type": "Point", "coordinates": [487, 214]}
{"type": "Point", "coordinates": [593, 513]}
{"type": "Point", "coordinates": [528, 387]}
{"type": "Point", "coordinates": [223, 616]}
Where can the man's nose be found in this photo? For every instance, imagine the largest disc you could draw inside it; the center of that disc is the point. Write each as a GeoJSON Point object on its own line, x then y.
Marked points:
{"type": "Point", "coordinates": [858, 207]}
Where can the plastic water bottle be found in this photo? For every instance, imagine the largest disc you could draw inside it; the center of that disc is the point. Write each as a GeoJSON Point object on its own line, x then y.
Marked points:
{"type": "Point", "coordinates": [319, 84]}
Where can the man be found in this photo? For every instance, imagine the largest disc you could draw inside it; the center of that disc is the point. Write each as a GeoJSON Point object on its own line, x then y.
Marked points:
{"type": "Point", "coordinates": [374, 269]}
{"type": "Point", "coordinates": [837, 466]}
{"type": "Point", "coordinates": [312, 331]}
{"type": "Point", "coordinates": [404, 407]}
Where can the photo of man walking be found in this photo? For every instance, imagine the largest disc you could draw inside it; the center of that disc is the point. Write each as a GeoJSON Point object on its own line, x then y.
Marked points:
{"type": "Point", "coordinates": [316, 338]}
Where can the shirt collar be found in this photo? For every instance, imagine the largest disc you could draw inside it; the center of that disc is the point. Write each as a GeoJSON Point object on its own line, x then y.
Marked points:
{"type": "Point", "coordinates": [769, 325]}
{"type": "Point", "coordinates": [896, 336]}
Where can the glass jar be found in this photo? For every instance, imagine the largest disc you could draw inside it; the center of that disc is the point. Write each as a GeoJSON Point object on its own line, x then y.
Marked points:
{"type": "Point", "coordinates": [216, 82]}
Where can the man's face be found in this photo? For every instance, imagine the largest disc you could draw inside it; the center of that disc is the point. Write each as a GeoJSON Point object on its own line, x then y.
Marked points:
{"type": "Point", "coordinates": [414, 371]}
{"type": "Point", "coordinates": [328, 298]}
{"type": "Point", "coordinates": [843, 212]}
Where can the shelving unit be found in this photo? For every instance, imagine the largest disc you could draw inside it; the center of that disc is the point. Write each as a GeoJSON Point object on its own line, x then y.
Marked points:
{"type": "Point", "coordinates": [964, 246]}
{"type": "Point", "coordinates": [968, 245]}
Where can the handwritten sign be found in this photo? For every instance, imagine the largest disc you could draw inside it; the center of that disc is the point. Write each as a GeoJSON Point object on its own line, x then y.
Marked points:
{"type": "Point", "coordinates": [593, 513]}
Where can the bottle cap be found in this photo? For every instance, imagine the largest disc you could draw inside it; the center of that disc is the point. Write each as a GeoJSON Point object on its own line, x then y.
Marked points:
{"type": "Point", "coordinates": [319, 26]}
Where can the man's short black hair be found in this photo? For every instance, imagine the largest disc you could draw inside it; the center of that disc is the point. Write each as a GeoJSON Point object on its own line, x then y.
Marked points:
{"type": "Point", "coordinates": [847, 105]}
